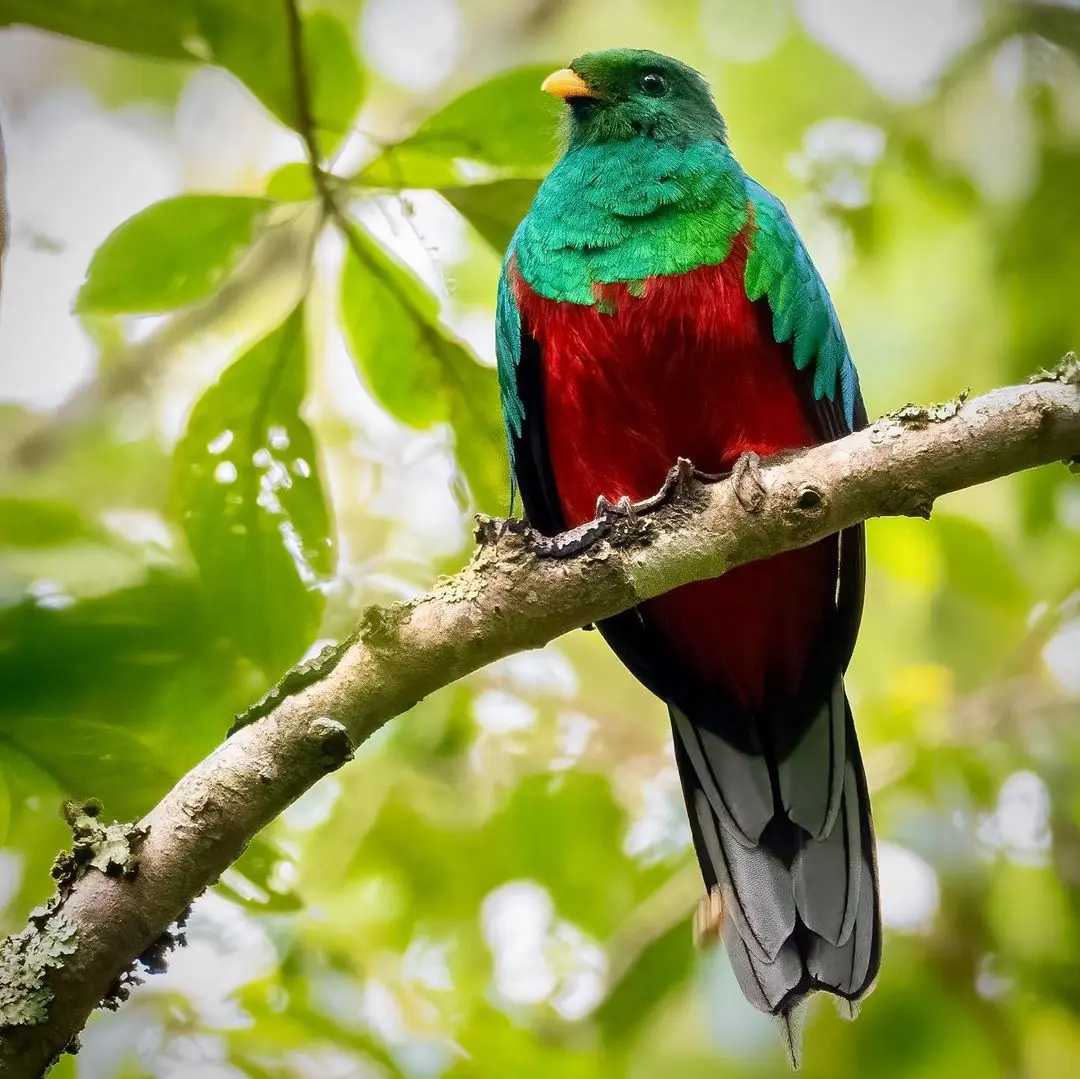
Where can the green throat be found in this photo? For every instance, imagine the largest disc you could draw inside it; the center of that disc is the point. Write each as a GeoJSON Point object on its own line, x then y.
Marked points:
{"type": "Point", "coordinates": [625, 211]}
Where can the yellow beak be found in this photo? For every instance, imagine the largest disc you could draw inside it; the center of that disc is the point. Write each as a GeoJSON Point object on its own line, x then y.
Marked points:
{"type": "Point", "coordinates": [566, 84]}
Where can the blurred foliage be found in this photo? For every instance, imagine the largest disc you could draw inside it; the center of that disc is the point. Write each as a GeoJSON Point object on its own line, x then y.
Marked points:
{"type": "Point", "coordinates": [196, 240]}
{"type": "Point", "coordinates": [501, 884]}
{"type": "Point", "coordinates": [247, 490]}
{"type": "Point", "coordinates": [247, 37]}
{"type": "Point", "coordinates": [503, 124]}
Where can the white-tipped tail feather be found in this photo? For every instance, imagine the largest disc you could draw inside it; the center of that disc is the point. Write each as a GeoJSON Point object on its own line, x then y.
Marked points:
{"type": "Point", "coordinates": [788, 846]}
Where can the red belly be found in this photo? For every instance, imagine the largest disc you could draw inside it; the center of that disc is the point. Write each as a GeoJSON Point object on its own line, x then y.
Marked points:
{"type": "Point", "coordinates": [689, 369]}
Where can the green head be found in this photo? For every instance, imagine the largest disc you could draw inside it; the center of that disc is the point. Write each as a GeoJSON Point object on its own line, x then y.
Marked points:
{"type": "Point", "coordinates": [618, 94]}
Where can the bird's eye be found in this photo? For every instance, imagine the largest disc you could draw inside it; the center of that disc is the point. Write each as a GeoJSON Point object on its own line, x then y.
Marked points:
{"type": "Point", "coordinates": [654, 84]}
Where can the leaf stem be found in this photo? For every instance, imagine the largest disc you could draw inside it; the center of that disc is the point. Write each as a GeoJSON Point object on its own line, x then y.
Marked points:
{"type": "Point", "coordinates": [305, 121]}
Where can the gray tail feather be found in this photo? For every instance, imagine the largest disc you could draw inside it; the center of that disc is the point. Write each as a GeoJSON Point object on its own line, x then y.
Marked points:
{"type": "Point", "coordinates": [790, 846]}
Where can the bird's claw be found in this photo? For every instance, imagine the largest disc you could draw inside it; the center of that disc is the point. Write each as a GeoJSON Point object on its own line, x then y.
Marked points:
{"type": "Point", "coordinates": [620, 519]}
{"type": "Point", "coordinates": [612, 512]}
{"type": "Point", "coordinates": [677, 483]}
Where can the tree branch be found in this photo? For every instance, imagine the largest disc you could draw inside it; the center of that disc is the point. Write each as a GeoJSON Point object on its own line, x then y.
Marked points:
{"type": "Point", "coordinates": [109, 912]}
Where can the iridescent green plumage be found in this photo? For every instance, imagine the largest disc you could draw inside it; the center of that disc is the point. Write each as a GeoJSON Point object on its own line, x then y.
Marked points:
{"type": "Point", "coordinates": [626, 210]}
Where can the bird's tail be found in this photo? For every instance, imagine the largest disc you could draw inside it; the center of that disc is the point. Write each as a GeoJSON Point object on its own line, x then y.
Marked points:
{"type": "Point", "coordinates": [784, 836]}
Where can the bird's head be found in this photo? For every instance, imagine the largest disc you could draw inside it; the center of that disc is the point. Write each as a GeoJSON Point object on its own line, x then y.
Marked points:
{"type": "Point", "coordinates": [619, 94]}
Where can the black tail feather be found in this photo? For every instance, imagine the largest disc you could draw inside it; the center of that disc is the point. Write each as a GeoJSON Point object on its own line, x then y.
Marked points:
{"type": "Point", "coordinates": [801, 899]}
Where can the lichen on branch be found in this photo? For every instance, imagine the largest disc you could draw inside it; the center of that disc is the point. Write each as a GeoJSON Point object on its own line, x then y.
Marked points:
{"type": "Point", "coordinates": [110, 848]}
{"type": "Point", "coordinates": [27, 958]}
{"type": "Point", "coordinates": [25, 961]}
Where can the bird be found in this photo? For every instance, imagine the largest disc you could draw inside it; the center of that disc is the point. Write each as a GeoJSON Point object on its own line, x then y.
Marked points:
{"type": "Point", "coordinates": [657, 303]}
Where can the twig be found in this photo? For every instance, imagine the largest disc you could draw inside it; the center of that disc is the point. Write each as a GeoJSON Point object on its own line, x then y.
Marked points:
{"type": "Point", "coordinates": [305, 121]}
{"type": "Point", "coordinates": [321, 180]}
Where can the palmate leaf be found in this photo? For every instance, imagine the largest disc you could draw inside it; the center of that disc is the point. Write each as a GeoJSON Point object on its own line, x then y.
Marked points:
{"type": "Point", "coordinates": [247, 491]}
{"type": "Point", "coordinates": [247, 37]}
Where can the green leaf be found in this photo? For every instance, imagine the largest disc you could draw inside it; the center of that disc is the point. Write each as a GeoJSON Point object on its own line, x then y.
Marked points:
{"type": "Point", "coordinates": [247, 37]}
{"type": "Point", "coordinates": [505, 123]}
{"type": "Point", "coordinates": [28, 522]}
{"type": "Point", "coordinates": [250, 39]}
{"type": "Point", "coordinates": [171, 254]}
{"type": "Point", "coordinates": [94, 691]}
{"type": "Point", "coordinates": [337, 81]}
{"type": "Point", "coordinates": [164, 30]}
{"type": "Point", "coordinates": [291, 183]}
{"type": "Point", "coordinates": [495, 210]}
{"type": "Point", "coordinates": [479, 435]}
{"type": "Point", "coordinates": [247, 490]}
{"type": "Point", "coordinates": [87, 758]}
{"type": "Point", "coordinates": [391, 324]}
{"type": "Point", "coordinates": [415, 369]}
{"type": "Point", "coordinates": [120, 647]}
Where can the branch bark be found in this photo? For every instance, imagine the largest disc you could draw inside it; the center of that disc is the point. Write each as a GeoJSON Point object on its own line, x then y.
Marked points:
{"type": "Point", "coordinates": [507, 599]}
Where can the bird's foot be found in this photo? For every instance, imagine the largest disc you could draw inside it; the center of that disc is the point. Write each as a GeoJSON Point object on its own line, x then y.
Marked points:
{"type": "Point", "coordinates": [614, 521]}
{"type": "Point", "coordinates": [490, 531]}
{"type": "Point", "coordinates": [709, 918]}
{"type": "Point", "coordinates": [677, 482]}
{"type": "Point", "coordinates": [571, 543]}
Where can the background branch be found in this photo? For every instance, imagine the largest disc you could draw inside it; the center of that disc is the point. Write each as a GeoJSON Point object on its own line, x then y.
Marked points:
{"type": "Point", "coordinates": [507, 599]}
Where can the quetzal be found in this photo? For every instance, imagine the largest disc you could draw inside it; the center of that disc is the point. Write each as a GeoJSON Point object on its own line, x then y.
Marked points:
{"type": "Point", "coordinates": [657, 303]}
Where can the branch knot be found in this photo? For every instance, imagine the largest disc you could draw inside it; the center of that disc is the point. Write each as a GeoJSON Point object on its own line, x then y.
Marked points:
{"type": "Point", "coordinates": [332, 742]}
